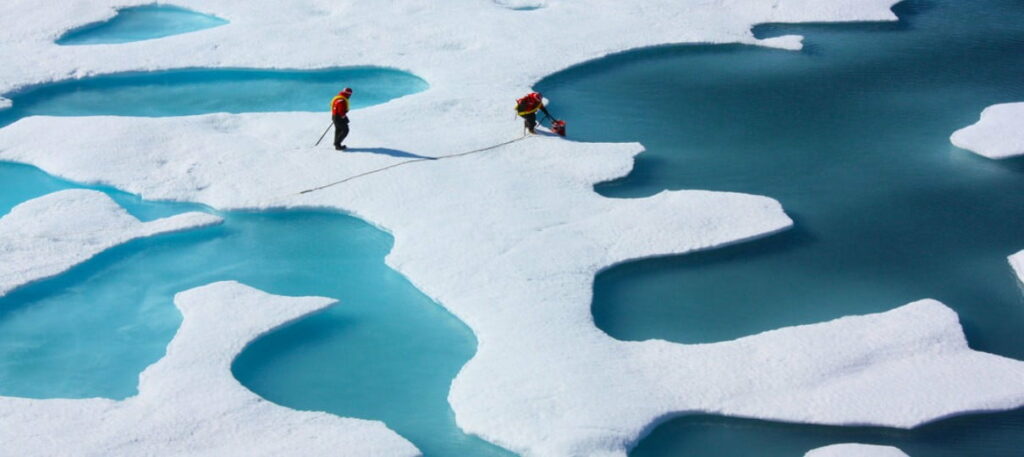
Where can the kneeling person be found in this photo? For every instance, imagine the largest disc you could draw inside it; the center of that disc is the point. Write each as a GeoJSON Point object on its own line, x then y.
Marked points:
{"type": "Point", "coordinates": [527, 108]}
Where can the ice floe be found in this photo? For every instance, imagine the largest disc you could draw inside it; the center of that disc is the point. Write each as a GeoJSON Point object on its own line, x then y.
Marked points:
{"type": "Point", "coordinates": [190, 404]}
{"type": "Point", "coordinates": [998, 135]}
{"type": "Point", "coordinates": [1017, 262]}
{"type": "Point", "coordinates": [509, 239]}
{"type": "Point", "coordinates": [48, 235]}
{"type": "Point", "coordinates": [856, 450]}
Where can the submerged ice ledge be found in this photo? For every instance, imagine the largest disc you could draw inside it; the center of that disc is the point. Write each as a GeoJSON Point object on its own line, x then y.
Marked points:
{"type": "Point", "coordinates": [999, 134]}
{"type": "Point", "coordinates": [856, 450]}
{"type": "Point", "coordinates": [190, 404]}
{"type": "Point", "coordinates": [48, 235]}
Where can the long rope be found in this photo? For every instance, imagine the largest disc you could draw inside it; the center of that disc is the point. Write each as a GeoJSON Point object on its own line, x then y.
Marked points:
{"type": "Point", "coordinates": [395, 165]}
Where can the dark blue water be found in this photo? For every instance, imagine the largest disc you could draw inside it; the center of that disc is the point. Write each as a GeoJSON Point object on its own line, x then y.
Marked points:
{"type": "Point", "coordinates": [141, 23]}
{"type": "Point", "coordinates": [201, 91]}
{"type": "Point", "coordinates": [851, 135]}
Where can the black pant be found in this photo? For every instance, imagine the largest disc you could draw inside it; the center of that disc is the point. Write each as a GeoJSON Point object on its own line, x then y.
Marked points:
{"type": "Point", "coordinates": [531, 121]}
{"type": "Point", "coordinates": [340, 129]}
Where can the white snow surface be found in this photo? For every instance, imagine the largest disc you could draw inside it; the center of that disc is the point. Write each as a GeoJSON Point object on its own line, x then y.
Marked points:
{"type": "Point", "coordinates": [465, 48]}
{"type": "Point", "coordinates": [1017, 262]}
{"type": "Point", "coordinates": [998, 135]}
{"type": "Point", "coordinates": [48, 235]}
{"type": "Point", "coordinates": [856, 450]}
{"type": "Point", "coordinates": [509, 240]}
{"type": "Point", "coordinates": [189, 404]}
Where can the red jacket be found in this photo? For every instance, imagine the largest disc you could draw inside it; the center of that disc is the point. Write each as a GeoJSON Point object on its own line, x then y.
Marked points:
{"type": "Point", "coordinates": [339, 106]}
{"type": "Point", "coordinates": [529, 104]}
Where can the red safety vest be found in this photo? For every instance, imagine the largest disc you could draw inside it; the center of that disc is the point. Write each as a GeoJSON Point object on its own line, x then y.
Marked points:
{"type": "Point", "coordinates": [339, 106]}
{"type": "Point", "coordinates": [529, 104]}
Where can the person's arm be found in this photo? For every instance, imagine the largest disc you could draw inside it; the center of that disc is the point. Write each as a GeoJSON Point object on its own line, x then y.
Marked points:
{"type": "Point", "coordinates": [545, 110]}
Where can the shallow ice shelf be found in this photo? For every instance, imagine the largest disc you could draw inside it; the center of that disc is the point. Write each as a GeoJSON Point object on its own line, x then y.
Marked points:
{"type": "Point", "coordinates": [140, 23]}
{"type": "Point", "coordinates": [199, 91]}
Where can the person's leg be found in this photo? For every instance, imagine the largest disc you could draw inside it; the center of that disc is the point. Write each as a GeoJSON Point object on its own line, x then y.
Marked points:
{"type": "Point", "coordinates": [337, 130]}
{"type": "Point", "coordinates": [340, 131]}
{"type": "Point", "coordinates": [531, 121]}
{"type": "Point", "coordinates": [344, 132]}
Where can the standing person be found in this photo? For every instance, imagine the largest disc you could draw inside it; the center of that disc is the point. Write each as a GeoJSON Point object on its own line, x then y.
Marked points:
{"type": "Point", "coordinates": [527, 108]}
{"type": "Point", "coordinates": [339, 114]}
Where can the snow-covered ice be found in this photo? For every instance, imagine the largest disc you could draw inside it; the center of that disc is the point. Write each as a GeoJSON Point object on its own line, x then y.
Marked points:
{"type": "Point", "coordinates": [521, 278]}
{"type": "Point", "coordinates": [48, 235]}
{"type": "Point", "coordinates": [190, 404]}
{"type": "Point", "coordinates": [998, 135]}
{"type": "Point", "coordinates": [509, 240]}
{"type": "Point", "coordinates": [856, 450]}
{"type": "Point", "coordinates": [467, 49]}
{"type": "Point", "coordinates": [1017, 262]}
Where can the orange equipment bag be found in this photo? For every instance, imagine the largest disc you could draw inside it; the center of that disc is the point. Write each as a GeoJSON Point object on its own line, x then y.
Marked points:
{"type": "Point", "coordinates": [558, 127]}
